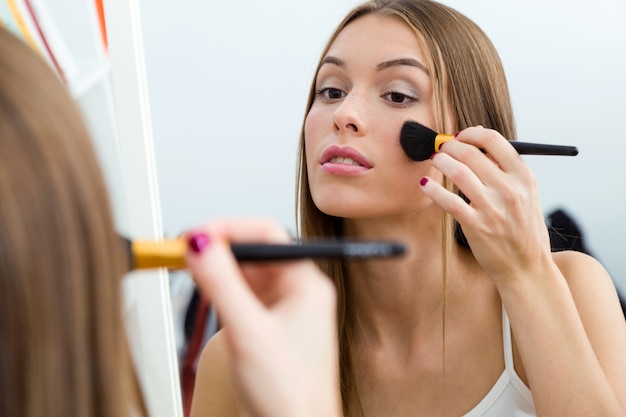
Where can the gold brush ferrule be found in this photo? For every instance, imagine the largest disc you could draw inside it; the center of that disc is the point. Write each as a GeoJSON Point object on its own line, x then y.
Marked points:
{"type": "Point", "coordinates": [169, 253]}
{"type": "Point", "coordinates": [440, 139]}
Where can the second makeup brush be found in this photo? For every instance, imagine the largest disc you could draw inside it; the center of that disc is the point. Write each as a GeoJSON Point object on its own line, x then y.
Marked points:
{"type": "Point", "coordinates": [170, 253]}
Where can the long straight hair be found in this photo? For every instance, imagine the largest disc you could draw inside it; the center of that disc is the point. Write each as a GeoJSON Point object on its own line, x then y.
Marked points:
{"type": "Point", "coordinates": [468, 83]}
{"type": "Point", "coordinates": [63, 346]}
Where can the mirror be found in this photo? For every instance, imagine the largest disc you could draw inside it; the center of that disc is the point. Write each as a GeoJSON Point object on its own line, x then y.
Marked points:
{"type": "Point", "coordinates": [228, 84]}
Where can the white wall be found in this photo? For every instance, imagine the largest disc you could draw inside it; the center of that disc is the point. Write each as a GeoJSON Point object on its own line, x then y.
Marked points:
{"type": "Point", "coordinates": [228, 84]}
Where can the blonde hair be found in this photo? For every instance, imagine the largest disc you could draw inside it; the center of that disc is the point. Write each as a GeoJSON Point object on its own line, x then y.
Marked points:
{"type": "Point", "coordinates": [468, 83]}
{"type": "Point", "coordinates": [63, 347]}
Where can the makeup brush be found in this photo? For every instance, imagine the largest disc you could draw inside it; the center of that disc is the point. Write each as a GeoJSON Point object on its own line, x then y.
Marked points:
{"type": "Point", "coordinates": [419, 142]}
{"type": "Point", "coordinates": [170, 253]}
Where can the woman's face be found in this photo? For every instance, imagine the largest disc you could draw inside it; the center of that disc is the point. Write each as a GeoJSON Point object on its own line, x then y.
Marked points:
{"type": "Point", "coordinates": [373, 79]}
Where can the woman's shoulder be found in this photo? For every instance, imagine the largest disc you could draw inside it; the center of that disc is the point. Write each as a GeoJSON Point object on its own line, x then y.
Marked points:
{"type": "Point", "coordinates": [581, 270]}
{"type": "Point", "coordinates": [213, 392]}
{"type": "Point", "coordinates": [215, 348]}
{"type": "Point", "coordinates": [579, 266]}
{"type": "Point", "coordinates": [588, 281]}
{"type": "Point", "coordinates": [573, 260]}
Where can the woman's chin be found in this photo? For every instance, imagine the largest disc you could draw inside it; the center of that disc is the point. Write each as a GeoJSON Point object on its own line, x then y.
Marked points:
{"type": "Point", "coordinates": [334, 208]}
{"type": "Point", "coordinates": [348, 211]}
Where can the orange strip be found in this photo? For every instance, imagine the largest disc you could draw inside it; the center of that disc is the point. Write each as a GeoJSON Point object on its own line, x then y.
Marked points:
{"type": "Point", "coordinates": [103, 27]}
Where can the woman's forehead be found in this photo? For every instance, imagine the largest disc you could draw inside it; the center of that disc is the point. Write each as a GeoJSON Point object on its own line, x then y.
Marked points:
{"type": "Point", "coordinates": [376, 38]}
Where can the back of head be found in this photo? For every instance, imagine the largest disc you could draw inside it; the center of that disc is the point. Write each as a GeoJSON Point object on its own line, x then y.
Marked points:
{"type": "Point", "coordinates": [62, 344]}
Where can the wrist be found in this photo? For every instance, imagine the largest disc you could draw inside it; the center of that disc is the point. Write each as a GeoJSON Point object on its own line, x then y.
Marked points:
{"type": "Point", "coordinates": [540, 275]}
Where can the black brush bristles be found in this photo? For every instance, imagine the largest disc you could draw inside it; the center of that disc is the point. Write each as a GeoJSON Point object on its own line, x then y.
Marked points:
{"type": "Point", "coordinates": [417, 140]}
{"type": "Point", "coordinates": [420, 142]}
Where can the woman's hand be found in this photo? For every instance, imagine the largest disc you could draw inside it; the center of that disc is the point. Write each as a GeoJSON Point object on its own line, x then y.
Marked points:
{"type": "Point", "coordinates": [279, 321]}
{"type": "Point", "coordinates": [503, 222]}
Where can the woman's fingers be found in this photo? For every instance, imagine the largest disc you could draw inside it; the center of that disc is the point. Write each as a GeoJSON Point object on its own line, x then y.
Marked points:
{"type": "Point", "coordinates": [450, 202]}
{"type": "Point", "coordinates": [494, 145]}
{"type": "Point", "coordinates": [234, 293]}
{"type": "Point", "coordinates": [462, 176]}
{"type": "Point", "coordinates": [218, 277]}
{"type": "Point", "coordinates": [251, 290]}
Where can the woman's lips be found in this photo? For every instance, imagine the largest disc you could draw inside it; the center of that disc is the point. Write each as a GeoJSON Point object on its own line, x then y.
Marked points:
{"type": "Point", "coordinates": [344, 160]}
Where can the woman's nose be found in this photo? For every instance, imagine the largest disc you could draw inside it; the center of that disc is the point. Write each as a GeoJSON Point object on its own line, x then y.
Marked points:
{"type": "Point", "coordinates": [349, 117]}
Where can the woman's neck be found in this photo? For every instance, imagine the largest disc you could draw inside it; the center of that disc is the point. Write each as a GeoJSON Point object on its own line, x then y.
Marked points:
{"type": "Point", "coordinates": [398, 297]}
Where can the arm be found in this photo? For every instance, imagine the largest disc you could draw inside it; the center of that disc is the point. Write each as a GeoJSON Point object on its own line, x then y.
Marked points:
{"type": "Point", "coordinates": [571, 337]}
{"type": "Point", "coordinates": [598, 304]}
{"type": "Point", "coordinates": [563, 308]}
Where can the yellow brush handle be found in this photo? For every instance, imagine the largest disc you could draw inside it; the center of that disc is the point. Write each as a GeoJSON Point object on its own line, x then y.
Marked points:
{"type": "Point", "coordinates": [169, 253]}
{"type": "Point", "coordinates": [440, 139]}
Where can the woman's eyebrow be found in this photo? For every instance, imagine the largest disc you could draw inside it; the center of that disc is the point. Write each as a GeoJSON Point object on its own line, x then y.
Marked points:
{"type": "Point", "coordinates": [329, 59]}
{"type": "Point", "coordinates": [402, 61]}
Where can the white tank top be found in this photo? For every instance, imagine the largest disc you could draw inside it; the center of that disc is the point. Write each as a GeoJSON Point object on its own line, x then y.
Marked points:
{"type": "Point", "coordinates": [509, 397]}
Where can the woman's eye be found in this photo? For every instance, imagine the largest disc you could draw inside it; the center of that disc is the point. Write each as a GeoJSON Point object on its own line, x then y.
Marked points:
{"type": "Point", "coordinates": [330, 93]}
{"type": "Point", "coordinates": [399, 98]}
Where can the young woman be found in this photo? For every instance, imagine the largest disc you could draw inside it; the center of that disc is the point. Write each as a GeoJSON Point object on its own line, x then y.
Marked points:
{"type": "Point", "coordinates": [480, 319]}
{"type": "Point", "coordinates": [63, 346]}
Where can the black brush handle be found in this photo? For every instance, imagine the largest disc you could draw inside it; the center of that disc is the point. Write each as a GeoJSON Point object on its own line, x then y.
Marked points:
{"type": "Point", "coordinates": [528, 148]}
{"type": "Point", "coordinates": [320, 249]}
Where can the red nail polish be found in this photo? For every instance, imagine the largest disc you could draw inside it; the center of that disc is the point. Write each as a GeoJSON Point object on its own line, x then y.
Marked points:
{"type": "Point", "coordinates": [457, 134]}
{"type": "Point", "coordinates": [198, 242]}
{"type": "Point", "coordinates": [432, 155]}
{"type": "Point", "coordinates": [423, 181]}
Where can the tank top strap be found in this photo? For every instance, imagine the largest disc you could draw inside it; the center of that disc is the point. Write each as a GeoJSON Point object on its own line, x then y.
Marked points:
{"type": "Point", "coordinates": [509, 364]}
{"type": "Point", "coordinates": [507, 342]}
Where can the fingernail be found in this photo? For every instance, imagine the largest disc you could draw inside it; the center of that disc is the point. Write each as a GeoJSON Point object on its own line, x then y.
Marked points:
{"type": "Point", "coordinates": [432, 155]}
{"type": "Point", "coordinates": [423, 181]}
{"type": "Point", "coordinates": [457, 134]}
{"type": "Point", "coordinates": [199, 241]}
